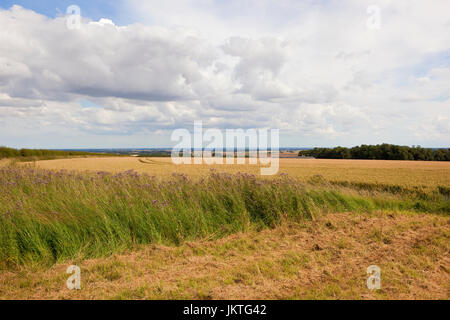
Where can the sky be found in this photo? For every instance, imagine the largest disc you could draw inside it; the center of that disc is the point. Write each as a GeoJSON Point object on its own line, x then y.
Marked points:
{"type": "Point", "coordinates": [324, 72]}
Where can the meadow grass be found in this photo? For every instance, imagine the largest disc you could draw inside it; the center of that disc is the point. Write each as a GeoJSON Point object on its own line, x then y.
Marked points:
{"type": "Point", "coordinates": [49, 216]}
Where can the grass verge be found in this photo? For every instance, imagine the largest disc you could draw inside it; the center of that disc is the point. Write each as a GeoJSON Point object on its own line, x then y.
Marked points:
{"type": "Point", "coordinates": [52, 216]}
{"type": "Point", "coordinates": [325, 258]}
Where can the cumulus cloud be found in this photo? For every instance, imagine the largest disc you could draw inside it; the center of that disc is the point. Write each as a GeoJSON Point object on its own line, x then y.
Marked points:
{"type": "Point", "coordinates": [99, 59]}
{"type": "Point", "coordinates": [313, 70]}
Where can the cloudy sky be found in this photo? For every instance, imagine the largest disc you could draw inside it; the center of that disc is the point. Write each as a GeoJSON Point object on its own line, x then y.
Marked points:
{"type": "Point", "coordinates": [324, 72]}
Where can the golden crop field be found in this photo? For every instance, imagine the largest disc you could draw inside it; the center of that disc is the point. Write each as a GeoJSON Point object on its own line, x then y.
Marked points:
{"type": "Point", "coordinates": [405, 173]}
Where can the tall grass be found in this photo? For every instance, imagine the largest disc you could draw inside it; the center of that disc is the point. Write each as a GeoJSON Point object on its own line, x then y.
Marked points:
{"type": "Point", "coordinates": [51, 216]}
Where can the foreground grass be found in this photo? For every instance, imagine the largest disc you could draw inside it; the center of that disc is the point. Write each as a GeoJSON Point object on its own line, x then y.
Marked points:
{"type": "Point", "coordinates": [50, 217]}
{"type": "Point", "coordinates": [321, 259]}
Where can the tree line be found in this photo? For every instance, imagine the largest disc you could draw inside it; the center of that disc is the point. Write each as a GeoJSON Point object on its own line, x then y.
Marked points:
{"type": "Point", "coordinates": [379, 152]}
{"type": "Point", "coordinates": [16, 153]}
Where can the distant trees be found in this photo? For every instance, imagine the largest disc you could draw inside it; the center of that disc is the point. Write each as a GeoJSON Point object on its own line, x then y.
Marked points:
{"type": "Point", "coordinates": [13, 153]}
{"type": "Point", "coordinates": [379, 152]}
{"type": "Point", "coordinates": [8, 152]}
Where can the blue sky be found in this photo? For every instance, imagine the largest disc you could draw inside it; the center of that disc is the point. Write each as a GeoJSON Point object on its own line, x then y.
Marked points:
{"type": "Point", "coordinates": [94, 9]}
{"type": "Point", "coordinates": [137, 70]}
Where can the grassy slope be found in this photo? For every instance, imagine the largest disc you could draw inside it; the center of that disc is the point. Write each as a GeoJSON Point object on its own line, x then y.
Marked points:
{"type": "Point", "coordinates": [322, 259]}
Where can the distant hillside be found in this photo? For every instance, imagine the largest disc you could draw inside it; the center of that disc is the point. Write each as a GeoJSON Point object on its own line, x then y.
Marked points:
{"type": "Point", "coordinates": [379, 152]}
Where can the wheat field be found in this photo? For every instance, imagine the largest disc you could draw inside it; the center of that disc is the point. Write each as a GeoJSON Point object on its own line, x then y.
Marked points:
{"type": "Point", "coordinates": [405, 173]}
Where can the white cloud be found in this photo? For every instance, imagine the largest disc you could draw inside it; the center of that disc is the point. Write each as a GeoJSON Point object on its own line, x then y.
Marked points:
{"type": "Point", "coordinates": [312, 69]}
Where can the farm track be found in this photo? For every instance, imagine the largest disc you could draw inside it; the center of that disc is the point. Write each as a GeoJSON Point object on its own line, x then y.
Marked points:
{"type": "Point", "coordinates": [151, 161]}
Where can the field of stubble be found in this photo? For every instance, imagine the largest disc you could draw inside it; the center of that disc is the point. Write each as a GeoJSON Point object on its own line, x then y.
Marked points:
{"type": "Point", "coordinates": [143, 228]}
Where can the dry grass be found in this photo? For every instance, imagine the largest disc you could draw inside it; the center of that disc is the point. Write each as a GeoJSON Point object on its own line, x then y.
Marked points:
{"type": "Point", "coordinates": [322, 259]}
{"type": "Point", "coordinates": [404, 173]}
